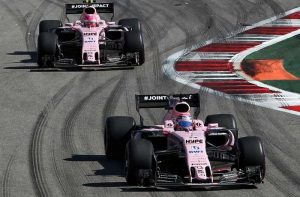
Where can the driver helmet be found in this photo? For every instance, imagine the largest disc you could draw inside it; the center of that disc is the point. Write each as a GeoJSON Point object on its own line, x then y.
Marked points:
{"type": "Point", "coordinates": [90, 18]}
{"type": "Point", "coordinates": [90, 21]}
{"type": "Point", "coordinates": [184, 122]}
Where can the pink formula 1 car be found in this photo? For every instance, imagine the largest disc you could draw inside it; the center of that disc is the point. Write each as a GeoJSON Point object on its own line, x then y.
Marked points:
{"type": "Point", "coordinates": [90, 41]}
{"type": "Point", "coordinates": [184, 151]}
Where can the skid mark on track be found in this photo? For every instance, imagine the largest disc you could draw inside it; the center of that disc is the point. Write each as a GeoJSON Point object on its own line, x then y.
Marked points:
{"type": "Point", "coordinates": [15, 13]}
{"type": "Point", "coordinates": [68, 144]}
{"type": "Point", "coordinates": [30, 33]}
{"type": "Point", "coordinates": [6, 177]}
{"type": "Point", "coordinates": [114, 97]}
{"type": "Point", "coordinates": [272, 156]}
{"type": "Point", "coordinates": [67, 140]}
{"type": "Point", "coordinates": [36, 144]}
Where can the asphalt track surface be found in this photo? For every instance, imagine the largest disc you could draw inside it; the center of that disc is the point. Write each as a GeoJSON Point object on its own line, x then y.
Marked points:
{"type": "Point", "coordinates": [51, 122]}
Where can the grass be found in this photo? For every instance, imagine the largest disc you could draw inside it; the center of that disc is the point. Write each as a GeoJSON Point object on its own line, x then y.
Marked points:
{"type": "Point", "coordinates": [289, 51]}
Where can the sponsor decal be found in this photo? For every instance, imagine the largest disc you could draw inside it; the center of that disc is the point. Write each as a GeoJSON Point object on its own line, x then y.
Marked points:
{"type": "Point", "coordinates": [200, 171]}
{"type": "Point", "coordinates": [90, 34]}
{"type": "Point", "coordinates": [90, 40]}
{"type": "Point", "coordinates": [96, 5]}
{"type": "Point", "coordinates": [195, 141]}
{"type": "Point", "coordinates": [195, 148]}
{"type": "Point", "coordinates": [199, 165]}
{"type": "Point", "coordinates": [219, 133]}
{"type": "Point", "coordinates": [188, 97]}
{"type": "Point", "coordinates": [195, 151]}
{"type": "Point", "coordinates": [155, 98]}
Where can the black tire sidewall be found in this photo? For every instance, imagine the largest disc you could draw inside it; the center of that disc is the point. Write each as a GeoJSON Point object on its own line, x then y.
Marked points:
{"type": "Point", "coordinates": [251, 152]}
{"type": "Point", "coordinates": [134, 23]}
{"type": "Point", "coordinates": [117, 133]}
{"type": "Point", "coordinates": [139, 155]}
{"type": "Point", "coordinates": [49, 25]}
{"type": "Point", "coordinates": [134, 38]}
{"type": "Point", "coordinates": [224, 120]}
{"type": "Point", "coordinates": [47, 45]}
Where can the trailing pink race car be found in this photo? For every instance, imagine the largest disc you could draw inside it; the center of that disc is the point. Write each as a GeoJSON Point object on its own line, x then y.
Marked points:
{"type": "Point", "coordinates": [184, 151]}
{"type": "Point", "coordinates": [90, 41]}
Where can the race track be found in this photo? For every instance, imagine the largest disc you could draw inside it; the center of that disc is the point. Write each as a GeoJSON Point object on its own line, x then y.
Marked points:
{"type": "Point", "coordinates": [51, 122]}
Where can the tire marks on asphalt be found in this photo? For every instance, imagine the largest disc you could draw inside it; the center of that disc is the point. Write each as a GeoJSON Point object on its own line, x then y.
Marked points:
{"type": "Point", "coordinates": [67, 183]}
{"type": "Point", "coordinates": [67, 141]}
{"type": "Point", "coordinates": [32, 26]}
{"type": "Point", "coordinates": [6, 178]}
{"type": "Point", "coordinates": [114, 97]}
{"type": "Point", "coordinates": [271, 145]}
{"type": "Point", "coordinates": [36, 145]}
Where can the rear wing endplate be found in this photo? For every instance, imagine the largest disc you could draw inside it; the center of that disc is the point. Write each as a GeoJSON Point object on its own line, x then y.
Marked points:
{"type": "Point", "coordinates": [100, 7]}
{"type": "Point", "coordinates": [162, 101]}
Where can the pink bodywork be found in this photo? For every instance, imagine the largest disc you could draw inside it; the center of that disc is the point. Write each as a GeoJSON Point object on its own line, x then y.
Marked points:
{"type": "Point", "coordinates": [194, 143]}
{"type": "Point", "coordinates": [91, 37]}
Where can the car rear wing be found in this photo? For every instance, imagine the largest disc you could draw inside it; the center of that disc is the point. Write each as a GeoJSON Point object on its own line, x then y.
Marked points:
{"type": "Point", "coordinates": [163, 101]}
{"type": "Point", "coordinates": [100, 7]}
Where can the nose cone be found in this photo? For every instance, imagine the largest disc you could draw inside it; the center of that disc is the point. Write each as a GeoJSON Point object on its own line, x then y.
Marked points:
{"type": "Point", "coordinates": [182, 107]}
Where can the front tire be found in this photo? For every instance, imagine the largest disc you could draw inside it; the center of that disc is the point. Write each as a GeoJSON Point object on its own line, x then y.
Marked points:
{"type": "Point", "coordinates": [224, 120]}
{"type": "Point", "coordinates": [46, 50]}
{"type": "Point", "coordinates": [49, 25]}
{"type": "Point", "coordinates": [252, 154]}
{"type": "Point", "coordinates": [116, 135]}
{"type": "Point", "coordinates": [139, 164]}
{"type": "Point", "coordinates": [134, 42]}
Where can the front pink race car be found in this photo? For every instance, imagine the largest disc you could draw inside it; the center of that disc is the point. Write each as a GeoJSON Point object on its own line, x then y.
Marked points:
{"type": "Point", "coordinates": [184, 151]}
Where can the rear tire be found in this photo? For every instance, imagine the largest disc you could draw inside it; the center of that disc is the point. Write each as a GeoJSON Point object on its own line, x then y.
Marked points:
{"type": "Point", "coordinates": [139, 156]}
{"type": "Point", "coordinates": [116, 135]}
{"type": "Point", "coordinates": [46, 50]}
{"type": "Point", "coordinates": [49, 25]}
{"type": "Point", "coordinates": [134, 39]}
{"type": "Point", "coordinates": [252, 154]}
{"type": "Point", "coordinates": [224, 120]}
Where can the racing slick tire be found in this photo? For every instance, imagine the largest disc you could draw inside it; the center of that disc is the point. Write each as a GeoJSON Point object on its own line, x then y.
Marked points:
{"type": "Point", "coordinates": [47, 45]}
{"type": "Point", "coordinates": [224, 120]}
{"type": "Point", "coordinates": [116, 135]}
{"type": "Point", "coordinates": [139, 160]}
{"type": "Point", "coordinates": [134, 38]}
{"type": "Point", "coordinates": [133, 23]}
{"type": "Point", "coordinates": [252, 155]}
{"type": "Point", "coordinates": [49, 25]}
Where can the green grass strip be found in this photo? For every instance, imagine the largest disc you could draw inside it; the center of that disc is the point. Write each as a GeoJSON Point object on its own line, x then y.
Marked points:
{"type": "Point", "coordinates": [289, 51]}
